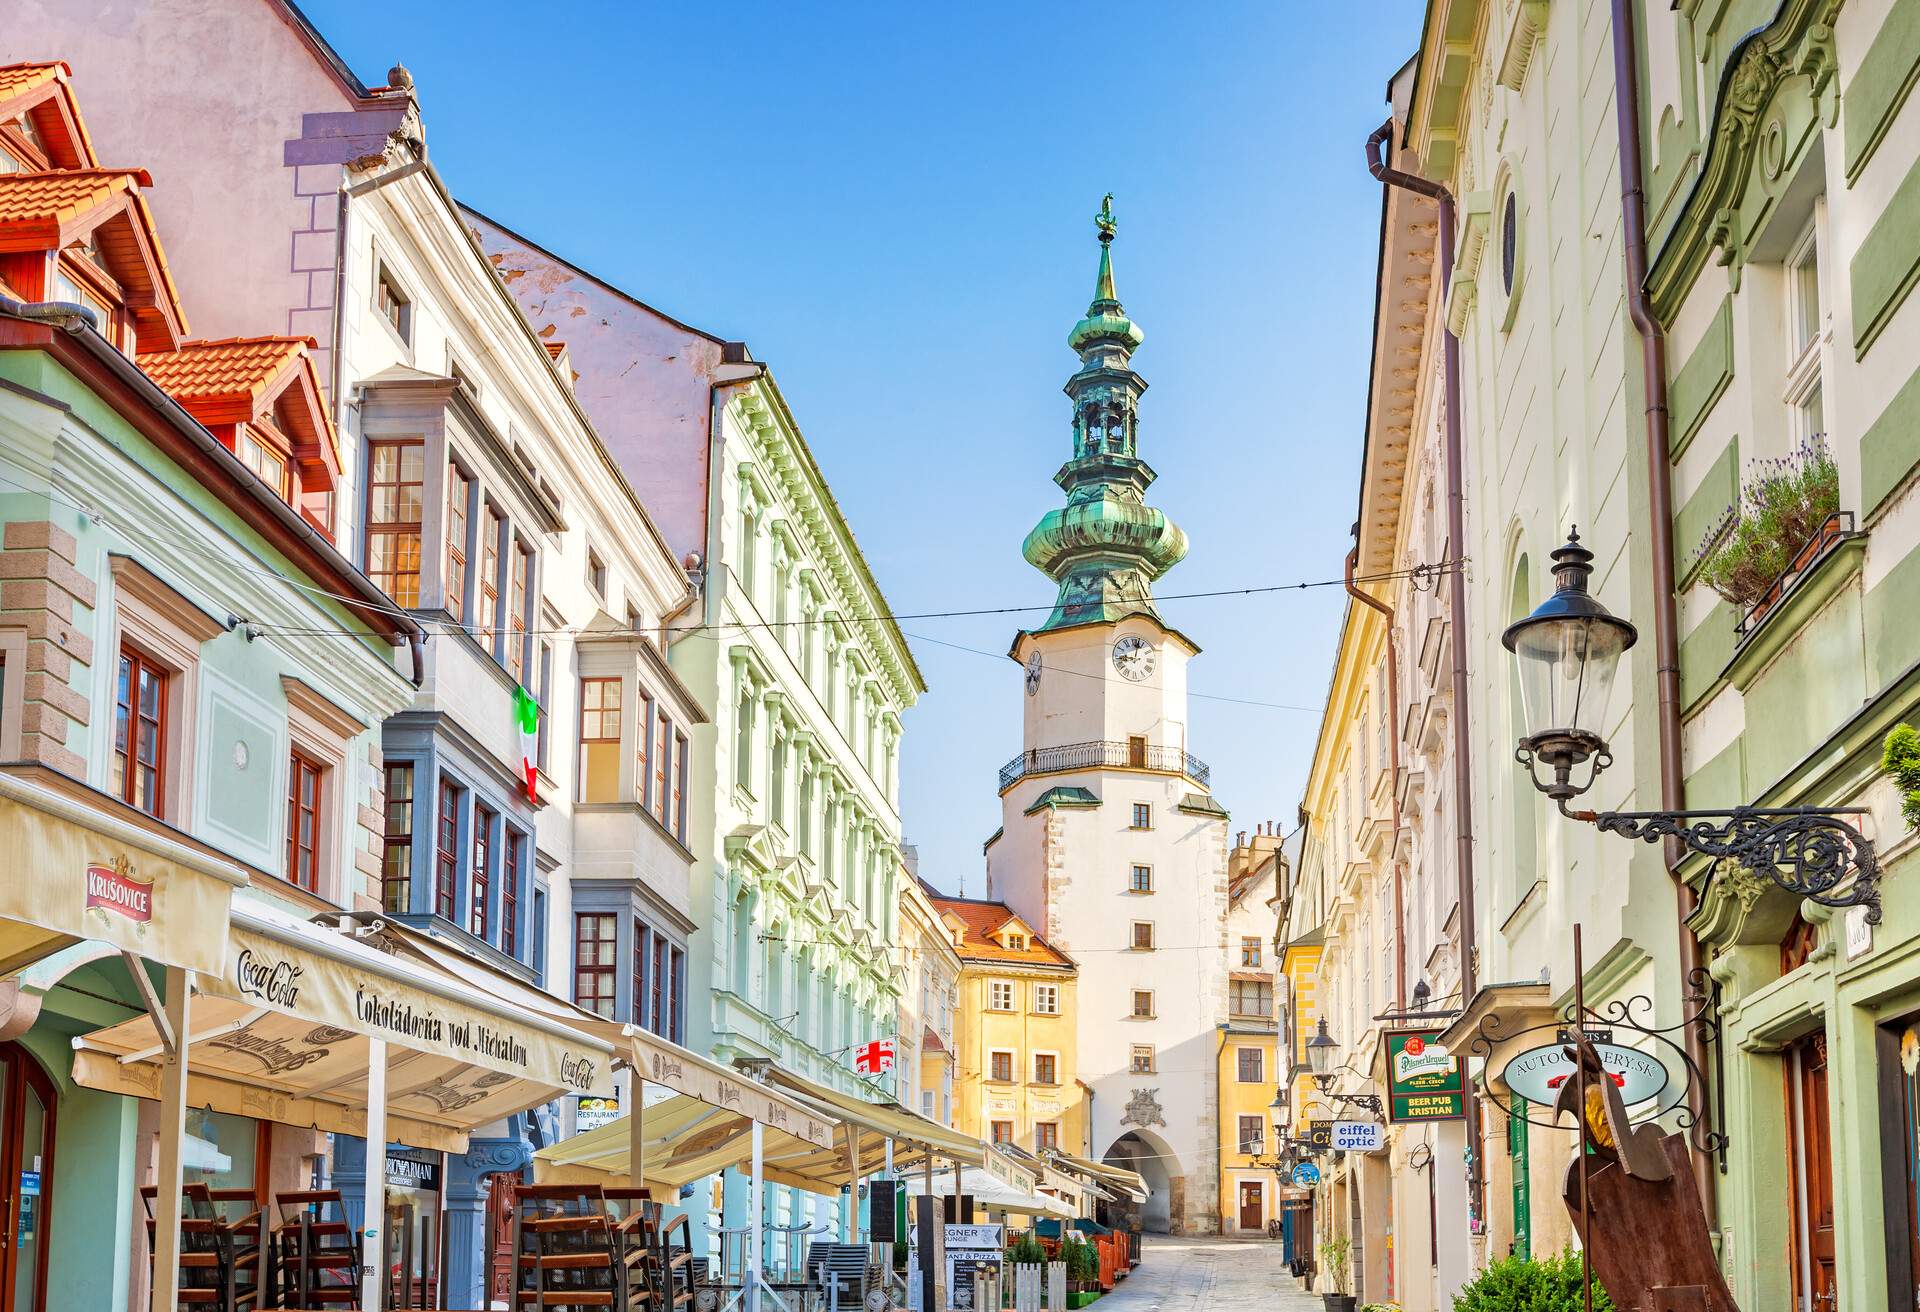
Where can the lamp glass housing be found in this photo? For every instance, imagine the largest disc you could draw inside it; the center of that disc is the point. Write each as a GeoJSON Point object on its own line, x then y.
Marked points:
{"type": "Point", "coordinates": [1568, 652]}
{"type": "Point", "coordinates": [1320, 1050]}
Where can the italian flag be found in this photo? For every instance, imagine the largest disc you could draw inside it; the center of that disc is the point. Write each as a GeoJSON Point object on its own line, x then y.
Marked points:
{"type": "Point", "coordinates": [526, 713]}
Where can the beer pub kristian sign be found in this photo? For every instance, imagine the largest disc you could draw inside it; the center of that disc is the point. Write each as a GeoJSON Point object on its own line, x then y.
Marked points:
{"type": "Point", "coordinates": [1425, 1082]}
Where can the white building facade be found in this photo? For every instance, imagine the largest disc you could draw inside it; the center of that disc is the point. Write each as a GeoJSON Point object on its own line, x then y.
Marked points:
{"type": "Point", "coordinates": [1111, 845]}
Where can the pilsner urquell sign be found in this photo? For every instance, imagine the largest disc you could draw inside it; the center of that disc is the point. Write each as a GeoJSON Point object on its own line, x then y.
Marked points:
{"type": "Point", "coordinates": [1425, 1082]}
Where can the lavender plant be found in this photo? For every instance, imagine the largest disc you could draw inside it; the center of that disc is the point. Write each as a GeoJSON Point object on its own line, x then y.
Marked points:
{"type": "Point", "coordinates": [1782, 504]}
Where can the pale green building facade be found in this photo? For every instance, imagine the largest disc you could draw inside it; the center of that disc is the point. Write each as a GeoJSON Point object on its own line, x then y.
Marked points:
{"type": "Point", "coordinates": [1781, 155]}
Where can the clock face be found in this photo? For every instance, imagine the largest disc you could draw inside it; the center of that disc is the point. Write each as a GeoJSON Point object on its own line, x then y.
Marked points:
{"type": "Point", "coordinates": [1033, 674]}
{"type": "Point", "coordinates": [1133, 657]}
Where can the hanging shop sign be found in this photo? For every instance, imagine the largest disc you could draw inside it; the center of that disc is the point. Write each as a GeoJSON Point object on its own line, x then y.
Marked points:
{"type": "Point", "coordinates": [1358, 1136]}
{"type": "Point", "coordinates": [1320, 1134]}
{"type": "Point", "coordinates": [1538, 1074]}
{"type": "Point", "coordinates": [1425, 1082]}
{"type": "Point", "coordinates": [1306, 1175]}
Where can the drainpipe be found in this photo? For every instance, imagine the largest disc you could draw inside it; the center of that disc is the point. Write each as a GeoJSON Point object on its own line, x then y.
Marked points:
{"type": "Point", "coordinates": [1393, 740]}
{"type": "Point", "coordinates": [1457, 620]}
{"type": "Point", "coordinates": [1653, 367]}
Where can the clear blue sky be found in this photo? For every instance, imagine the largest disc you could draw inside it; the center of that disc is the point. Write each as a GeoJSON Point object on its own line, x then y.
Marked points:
{"type": "Point", "coordinates": [892, 205]}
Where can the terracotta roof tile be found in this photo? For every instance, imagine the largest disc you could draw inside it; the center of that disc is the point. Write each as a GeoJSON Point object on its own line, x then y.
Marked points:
{"type": "Point", "coordinates": [27, 89]}
{"type": "Point", "coordinates": [62, 195]}
{"type": "Point", "coordinates": [18, 79]}
{"type": "Point", "coordinates": [229, 368]}
{"type": "Point", "coordinates": [981, 919]}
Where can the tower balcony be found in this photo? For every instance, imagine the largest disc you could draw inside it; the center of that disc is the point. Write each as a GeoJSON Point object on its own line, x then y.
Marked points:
{"type": "Point", "coordinates": [1104, 755]}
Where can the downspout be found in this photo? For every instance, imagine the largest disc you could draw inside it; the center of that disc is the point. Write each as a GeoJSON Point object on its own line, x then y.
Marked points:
{"type": "Point", "coordinates": [1393, 740]}
{"type": "Point", "coordinates": [1457, 620]}
{"type": "Point", "coordinates": [1666, 643]}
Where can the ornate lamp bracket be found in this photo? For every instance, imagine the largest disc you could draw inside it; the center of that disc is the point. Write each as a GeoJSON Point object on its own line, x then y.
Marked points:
{"type": "Point", "coordinates": [1810, 851]}
{"type": "Point", "coordinates": [1365, 1101]}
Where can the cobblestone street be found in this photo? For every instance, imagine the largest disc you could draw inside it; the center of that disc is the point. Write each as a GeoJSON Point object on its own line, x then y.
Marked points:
{"type": "Point", "coordinates": [1217, 1275]}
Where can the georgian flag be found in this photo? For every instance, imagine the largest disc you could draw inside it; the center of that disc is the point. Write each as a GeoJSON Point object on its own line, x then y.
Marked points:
{"type": "Point", "coordinates": [874, 1058]}
{"type": "Point", "coordinates": [526, 713]}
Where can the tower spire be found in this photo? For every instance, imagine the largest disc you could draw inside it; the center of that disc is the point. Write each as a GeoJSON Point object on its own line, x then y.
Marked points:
{"type": "Point", "coordinates": [1106, 546]}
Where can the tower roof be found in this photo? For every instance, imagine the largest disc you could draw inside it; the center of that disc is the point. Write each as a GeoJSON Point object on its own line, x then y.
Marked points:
{"type": "Point", "coordinates": [1106, 546]}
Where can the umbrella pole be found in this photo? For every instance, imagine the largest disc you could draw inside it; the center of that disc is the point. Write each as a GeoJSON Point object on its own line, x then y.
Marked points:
{"type": "Point", "coordinates": [373, 1256]}
{"type": "Point", "coordinates": [636, 1133]}
{"type": "Point", "coordinates": [173, 1128]}
{"type": "Point", "coordinates": [853, 1183]}
{"type": "Point", "coordinates": [756, 1232]}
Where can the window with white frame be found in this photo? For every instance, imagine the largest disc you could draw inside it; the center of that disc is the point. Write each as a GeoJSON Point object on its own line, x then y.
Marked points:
{"type": "Point", "coordinates": [1046, 999]}
{"type": "Point", "coordinates": [1807, 334]}
{"type": "Point", "coordinates": [1140, 1059]}
{"type": "Point", "coordinates": [1000, 995]}
{"type": "Point", "coordinates": [1140, 879]}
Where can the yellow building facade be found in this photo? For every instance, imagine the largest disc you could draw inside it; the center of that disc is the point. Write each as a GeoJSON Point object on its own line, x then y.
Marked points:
{"type": "Point", "coordinates": [1016, 1072]}
{"type": "Point", "coordinates": [1249, 1070]}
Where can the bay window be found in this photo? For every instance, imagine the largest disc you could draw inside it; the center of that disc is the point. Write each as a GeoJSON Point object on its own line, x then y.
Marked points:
{"type": "Point", "coordinates": [599, 740]}
{"type": "Point", "coordinates": [481, 876]}
{"type": "Point", "coordinates": [595, 945]}
{"type": "Point", "coordinates": [395, 480]}
{"type": "Point", "coordinates": [459, 491]}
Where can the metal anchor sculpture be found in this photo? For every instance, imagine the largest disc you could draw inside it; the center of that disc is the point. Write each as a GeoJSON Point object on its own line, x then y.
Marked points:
{"type": "Point", "coordinates": [1640, 1217]}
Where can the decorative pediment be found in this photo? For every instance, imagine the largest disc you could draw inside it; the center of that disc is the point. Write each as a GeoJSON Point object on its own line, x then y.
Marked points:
{"type": "Point", "coordinates": [752, 846]}
{"type": "Point", "coordinates": [1779, 89]}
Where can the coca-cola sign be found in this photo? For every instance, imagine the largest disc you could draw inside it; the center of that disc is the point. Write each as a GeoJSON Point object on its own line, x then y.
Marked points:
{"type": "Point", "coordinates": [117, 889]}
{"type": "Point", "coordinates": [276, 983]}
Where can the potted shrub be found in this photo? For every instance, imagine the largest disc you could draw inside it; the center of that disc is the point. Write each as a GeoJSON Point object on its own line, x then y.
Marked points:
{"type": "Point", "coordinates": [1335, 1252]}
{"type": "Point", "coordinates": [1784, 517]}
{"type": "Point", "coordinates": [1083, 1272]}
{"type": "Point", "coordinates": [1518, 1284]}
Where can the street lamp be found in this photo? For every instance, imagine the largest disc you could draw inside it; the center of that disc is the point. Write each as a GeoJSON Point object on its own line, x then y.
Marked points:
{"type": "Point", "coordinates": [1568, 650]}
{"type": "Point", "coordinates": [1320, 1050]}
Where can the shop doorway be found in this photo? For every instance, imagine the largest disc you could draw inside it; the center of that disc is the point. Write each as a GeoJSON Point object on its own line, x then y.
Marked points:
{"type": "Point", "coordinates": [1899, 1054]}
{"type": "Point", "coordinates": [414, 1234]}
{"type": "Point", "coordinates": [1810, 1164]}
{"type": "Point", "coordinates": [1252, 1207]}
{"type": "Point", "coordinates": [26, 1178]}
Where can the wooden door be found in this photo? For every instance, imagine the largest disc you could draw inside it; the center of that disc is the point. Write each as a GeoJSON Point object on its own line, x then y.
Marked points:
{"type": "Point", "coordinates": [1810, 1164]}
{"type": "Point", "coordinates": [1252, 1212]}
{"type": "Point", "coordinates": [26, 1179]}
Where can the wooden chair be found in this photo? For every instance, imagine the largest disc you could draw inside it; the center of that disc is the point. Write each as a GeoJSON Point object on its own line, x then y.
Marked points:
{"type": "Point", "coordinates": [318, 1253]}
{"type": "Point", "coordinates": [219, 1260]}
{"type": "Point", "coordinates": [565, 1251]}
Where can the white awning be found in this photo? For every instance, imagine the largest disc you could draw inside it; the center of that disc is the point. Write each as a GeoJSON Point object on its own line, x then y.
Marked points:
{"type": "Point", "coordinates": [282, 1032]}
{"type": "Point", "coordinates": [82, 865]}
{"type": "Point", "coordinates": [991, 1192]}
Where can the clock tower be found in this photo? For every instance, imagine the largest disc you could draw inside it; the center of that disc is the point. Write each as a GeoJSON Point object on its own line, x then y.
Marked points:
{"type": "Point", "coordinates": [1111, 843]}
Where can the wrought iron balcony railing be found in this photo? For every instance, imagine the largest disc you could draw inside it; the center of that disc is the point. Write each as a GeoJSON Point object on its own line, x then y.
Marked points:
{"type": "Point", "coordinates": [1094, 755]}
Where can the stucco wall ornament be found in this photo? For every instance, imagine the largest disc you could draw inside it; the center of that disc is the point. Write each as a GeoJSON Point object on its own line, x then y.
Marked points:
{"type": "Point", "coordinates": [1143, 1109]}
{"type": "Point", "coordinates": [1779, 87]}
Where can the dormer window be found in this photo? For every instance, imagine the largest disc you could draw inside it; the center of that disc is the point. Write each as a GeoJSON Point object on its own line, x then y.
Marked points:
{"type": "Point", "coordinates": [265, 452]}
{"type": "Point", "coordinates": [1016, 942]}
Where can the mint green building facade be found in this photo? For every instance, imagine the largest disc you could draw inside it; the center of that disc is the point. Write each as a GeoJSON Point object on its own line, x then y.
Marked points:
{"type": "Point", "coordinates": [1784, 236]}
{"type": "Point", "coordinates": [1781, 153]}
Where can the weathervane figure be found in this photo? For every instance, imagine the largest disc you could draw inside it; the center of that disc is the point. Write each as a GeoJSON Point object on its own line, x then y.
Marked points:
{"type": "Point", "coordinates": [1104, 219]}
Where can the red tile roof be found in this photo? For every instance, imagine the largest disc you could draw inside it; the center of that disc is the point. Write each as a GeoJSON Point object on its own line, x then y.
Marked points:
{"type": "Point", "coordinates": [44, 202]}
{"type": "Point", "coordinates": [27, 88]}
{"type": "Point", "coordinates": [981, 919]}
{"type": "Point", "coordinates": [231, 368]}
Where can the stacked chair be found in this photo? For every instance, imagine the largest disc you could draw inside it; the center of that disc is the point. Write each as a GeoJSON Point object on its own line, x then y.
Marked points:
{"type": "Point", "coordinates": [584, 1246]}
{"type": "Point", "coordinates": [318, 1253]}
{"type": "Point", "coordinates": [222, 1261]}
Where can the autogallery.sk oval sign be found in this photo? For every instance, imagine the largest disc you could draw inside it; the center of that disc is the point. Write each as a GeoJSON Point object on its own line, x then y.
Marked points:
{"type": "Point", "coordinates": [1538, 1073]}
